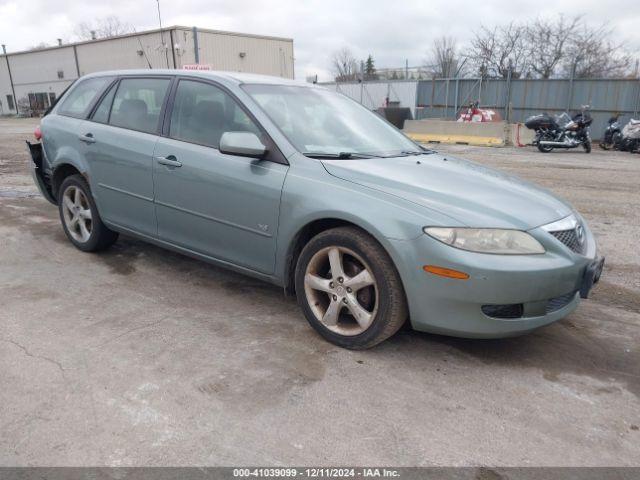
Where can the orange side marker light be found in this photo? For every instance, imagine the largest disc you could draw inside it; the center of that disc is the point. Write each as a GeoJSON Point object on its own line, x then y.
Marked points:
{"type": "Point", "coordinates": [446, 272]}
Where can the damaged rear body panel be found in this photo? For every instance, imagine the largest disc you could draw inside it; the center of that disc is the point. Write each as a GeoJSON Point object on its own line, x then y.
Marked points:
{"type": "Point", "coordinates": [40, 171]}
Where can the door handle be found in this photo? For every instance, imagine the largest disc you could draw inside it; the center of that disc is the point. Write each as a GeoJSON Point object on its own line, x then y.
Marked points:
{"type": "Point", "coordinates": [169, 161]}
{"type": "Point", "coordinates": [87, 138]}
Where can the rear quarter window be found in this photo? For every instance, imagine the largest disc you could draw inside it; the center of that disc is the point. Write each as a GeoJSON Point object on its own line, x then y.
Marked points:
{"type": "Point", "coordinates": [82, 96]}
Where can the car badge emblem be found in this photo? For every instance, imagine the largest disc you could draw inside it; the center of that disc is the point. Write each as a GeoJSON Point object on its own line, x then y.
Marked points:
{"type": "Point", "coordinates": [580, 234]}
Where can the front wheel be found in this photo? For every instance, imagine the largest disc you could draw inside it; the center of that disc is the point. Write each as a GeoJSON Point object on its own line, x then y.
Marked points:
{"type": "Point", "coordinates": [587, 146]}
{"type": "Point", "coordinates": [80, 218]}
{"type": "Point", "coordinates": [349, 289]}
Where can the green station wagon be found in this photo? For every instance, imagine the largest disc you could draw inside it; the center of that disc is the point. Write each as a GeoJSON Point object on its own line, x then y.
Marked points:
{"type": "Point", "coordinates": [303, 187]}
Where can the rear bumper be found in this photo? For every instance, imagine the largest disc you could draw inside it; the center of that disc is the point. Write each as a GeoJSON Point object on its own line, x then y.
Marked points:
{"type": "Point", "coordinates": [541, 288]}
{"type": "Point", "coordinates": [38, 173]}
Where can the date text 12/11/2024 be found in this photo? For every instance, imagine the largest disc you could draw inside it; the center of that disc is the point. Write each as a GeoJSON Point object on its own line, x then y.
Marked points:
{"type": "Point", "coordinates": [324, 472]}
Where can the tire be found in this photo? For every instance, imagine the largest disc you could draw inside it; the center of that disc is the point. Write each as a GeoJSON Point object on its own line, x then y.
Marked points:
{"type": "Point", "coordinates": [82, 210]}
{"type": "Point", "coordinates": [544, 149]}
{"type": "Point", "coordinates": [371, 306]}
{"type": "Point", "coordinates": [587, 146]}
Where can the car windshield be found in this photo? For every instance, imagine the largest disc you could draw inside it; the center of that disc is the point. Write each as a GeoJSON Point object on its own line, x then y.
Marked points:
{"type": "Point", "coordinates": [320, 123]}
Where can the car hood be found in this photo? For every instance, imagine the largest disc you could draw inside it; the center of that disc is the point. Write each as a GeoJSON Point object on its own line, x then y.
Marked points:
{"type": "Point", "coordinates": [472, 194]}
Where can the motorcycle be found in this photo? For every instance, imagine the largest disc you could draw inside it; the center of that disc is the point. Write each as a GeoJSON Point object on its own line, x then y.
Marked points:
{"type": "Point", "coordinates": [612, 137]}
{"type": "Point", "coordinates": [630, 141]}
{"type": "Point", "coordinates": [561, 131]}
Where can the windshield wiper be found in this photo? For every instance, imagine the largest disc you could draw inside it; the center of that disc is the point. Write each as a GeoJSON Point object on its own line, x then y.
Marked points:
{"type": "Point", "coordinates": [417, 152]}
{"type": "Point", "coordinates": [339, 155]}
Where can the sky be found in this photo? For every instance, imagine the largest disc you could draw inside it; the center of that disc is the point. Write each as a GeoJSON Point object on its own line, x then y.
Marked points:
{"type": "Point", "coordinates": [391, 31]}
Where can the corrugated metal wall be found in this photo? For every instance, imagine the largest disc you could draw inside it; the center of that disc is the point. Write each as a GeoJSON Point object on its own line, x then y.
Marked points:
{"type": "Point", "coordinates": [438, 98]}
{"type": "Point", "coordinates": [374, 94]}
{"type": "Point", "coordinates": [516, 100]}
{"type": "Point", "coordinates": [245, 53]}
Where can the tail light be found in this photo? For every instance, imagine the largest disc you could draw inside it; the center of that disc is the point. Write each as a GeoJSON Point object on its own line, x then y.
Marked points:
{"type": "Point", "coordinates": [37, 133]}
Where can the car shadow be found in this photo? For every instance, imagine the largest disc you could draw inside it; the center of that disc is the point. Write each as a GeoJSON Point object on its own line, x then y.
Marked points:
{"type": "Point", "coordinates": [570, 346]}
{"type": "Point", "coordinates": [565, 347]}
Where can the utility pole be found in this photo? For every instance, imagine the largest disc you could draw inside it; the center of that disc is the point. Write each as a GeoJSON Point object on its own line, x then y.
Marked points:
{"type": "Point", "coordinates": [13, 90]}
{"type": "Point", "coordinates": [164, 45]}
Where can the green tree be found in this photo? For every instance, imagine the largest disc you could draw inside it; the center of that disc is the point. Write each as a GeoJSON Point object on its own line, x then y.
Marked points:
{"type": "Point", "coordinates": [370, 72]}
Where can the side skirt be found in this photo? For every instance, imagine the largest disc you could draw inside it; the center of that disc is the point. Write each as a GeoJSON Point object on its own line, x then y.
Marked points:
{"type": "Point", "coordinates": [199, 256]}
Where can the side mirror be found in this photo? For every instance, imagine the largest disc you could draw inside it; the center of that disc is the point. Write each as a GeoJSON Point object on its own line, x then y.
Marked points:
{"type": "Point", "coordinates": [244, 144]}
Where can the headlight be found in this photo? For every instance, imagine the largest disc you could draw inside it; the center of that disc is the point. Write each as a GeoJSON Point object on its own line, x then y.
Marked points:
{"type": "Point", "coordinates": [487, 240]}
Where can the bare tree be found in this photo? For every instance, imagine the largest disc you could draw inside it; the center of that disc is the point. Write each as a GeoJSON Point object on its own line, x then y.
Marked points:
{"type": "Point", "coordinates": [548, 42]}
{"type": "Point", "coordinates": [106, 27]}
{"type": "Point", "coordinates": [546, 48]}
{"type": "Point", "coordinates": [494, 52]}
{"type": "Point", "coordinates": [443, 61]}
{"type": "Point", "coordinates": [592, 54]}
{"type": "Point", "coordinates": [344, 65]}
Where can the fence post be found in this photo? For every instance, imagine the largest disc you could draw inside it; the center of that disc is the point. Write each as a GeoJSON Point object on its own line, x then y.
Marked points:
{"type": "Point", "coordinates": [433, 93]}
{"type": "Point", "coordinates": [570, 92]}
{"type": "Point", "coordinates": [361, 79]}
{"type": "Point", "coordinates": [455, 108]}
{"type": "Point", "coordinates": [637, 107]}
{"type": "Point", "coordinates": [446, 101]}
{"type": "Point", "coordinates": [507, 112]}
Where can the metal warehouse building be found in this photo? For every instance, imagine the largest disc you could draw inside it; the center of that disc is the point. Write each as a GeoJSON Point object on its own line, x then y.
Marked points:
{"type": "Point", "coordinates": [31, 80]}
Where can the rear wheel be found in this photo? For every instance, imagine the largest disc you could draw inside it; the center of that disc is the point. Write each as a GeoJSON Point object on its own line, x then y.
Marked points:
{"type": "Point", "coordinates": [80, 218]}
{"type": "Point", "coordinates": [349, 289]}
{"type": "Point", "coordinates": [544, 148]}
{"type": "Point", "coordinates": [587, 146]}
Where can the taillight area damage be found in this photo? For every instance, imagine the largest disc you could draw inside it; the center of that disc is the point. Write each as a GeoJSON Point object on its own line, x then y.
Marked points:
{"type": "Point", "coordinates": [40, 176]}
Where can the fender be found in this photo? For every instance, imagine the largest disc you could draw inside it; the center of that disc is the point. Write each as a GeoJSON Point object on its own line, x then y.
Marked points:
{"type": "Point", "coordinates": [402, 220]}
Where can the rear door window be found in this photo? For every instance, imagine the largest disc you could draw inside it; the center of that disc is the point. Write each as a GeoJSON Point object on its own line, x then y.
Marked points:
{"type": "Point", "coordinates": [203, 112]}
{"type": "Point", "coordinates": [82, 96]}
{"type": "Point", "coordinates": [138, 102]}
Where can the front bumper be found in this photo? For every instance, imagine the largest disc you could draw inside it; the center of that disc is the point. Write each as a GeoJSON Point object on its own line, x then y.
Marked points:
{"type": "Point", "coordinates": [547, 287]}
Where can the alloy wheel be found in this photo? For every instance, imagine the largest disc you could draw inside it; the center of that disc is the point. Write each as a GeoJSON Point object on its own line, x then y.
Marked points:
{"type": "Point", "coordinates": [341, 290]}
{"type": "Point", "coordinates": [76, 211]}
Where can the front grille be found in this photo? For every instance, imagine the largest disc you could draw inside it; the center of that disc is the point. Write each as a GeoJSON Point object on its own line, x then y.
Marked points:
{"type": "Point", "coordinates": [557, 303]}
{"type": "Point", "coordinates": [570, 239]}
{"type": "Point", "coordinates": [503, 311]}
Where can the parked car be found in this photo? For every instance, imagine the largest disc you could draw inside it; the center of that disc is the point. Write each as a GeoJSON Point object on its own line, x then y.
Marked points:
{"type": "Point", "coordinates": [300, 186]}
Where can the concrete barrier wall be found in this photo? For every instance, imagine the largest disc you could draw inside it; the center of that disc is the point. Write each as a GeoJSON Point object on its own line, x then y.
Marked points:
{"type": "Point", "coordinates": [493, 134]}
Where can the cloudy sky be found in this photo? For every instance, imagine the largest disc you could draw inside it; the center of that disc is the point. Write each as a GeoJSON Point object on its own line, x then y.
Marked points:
{"type": "Point", "coordinates": [390, 30]}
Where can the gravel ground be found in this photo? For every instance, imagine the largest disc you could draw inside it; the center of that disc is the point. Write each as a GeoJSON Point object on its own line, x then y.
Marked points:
{"type": "Point", "coordinates": [139, 356]}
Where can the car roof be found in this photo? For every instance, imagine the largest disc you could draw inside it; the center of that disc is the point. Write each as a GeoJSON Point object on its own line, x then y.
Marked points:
{"type": "Point", "coordinates": [233, 77]}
